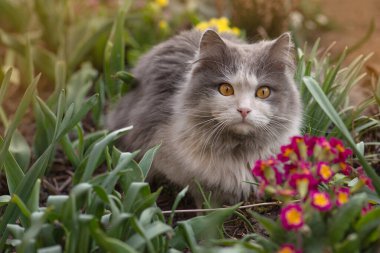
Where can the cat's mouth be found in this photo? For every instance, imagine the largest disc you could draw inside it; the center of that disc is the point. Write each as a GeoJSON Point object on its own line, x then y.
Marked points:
{"type": "Point", "coordinates": [242, 127]}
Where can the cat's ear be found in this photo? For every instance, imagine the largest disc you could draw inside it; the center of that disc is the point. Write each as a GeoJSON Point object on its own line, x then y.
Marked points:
{"type": "Point", "coordinates": [211, 44]}
{"type": "Point", "coordinates": [282, 51]}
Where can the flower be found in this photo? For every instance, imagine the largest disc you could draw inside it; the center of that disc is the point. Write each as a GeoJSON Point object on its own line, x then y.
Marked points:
{"type": "Point", "coordinates": [303, 182]}
{"type": "Point", "coordinates": [324, 171]}
{"type": "Point", "coordinates": [364, 179]}
{"type": "Point", "coordinates": [340, 150]}
{"type": "Point", "coordinates": [288, 248]}
{"type": "Point", "coordinates": [287, 153]}
{"type": "Point", "coordinates": [345, 168]}
{"type": "Point", "coordinates": [267, 171]}
{"type": "Point", "coordinates": [162, 3]}
{"type": "Point", "coordinates": [220, 24]}
{"type": "Point", "coordinates": [291, 217]}
{"type": "Point", "coordinates": [366, 208]}
{"type": "Point", "coordinates": [321, 201]}
{"type": "Point", "coordinates": [342, 196]}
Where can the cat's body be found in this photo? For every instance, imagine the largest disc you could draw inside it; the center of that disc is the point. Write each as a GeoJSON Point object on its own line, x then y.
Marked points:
{"type": "Point", "coordinates": [205, 135]}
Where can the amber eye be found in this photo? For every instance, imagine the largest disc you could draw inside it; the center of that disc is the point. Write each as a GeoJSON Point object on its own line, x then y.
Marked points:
{"type": "Point", "coordinates": [226, 89]}
{"type": "Point", "coordinates": [263, 92]}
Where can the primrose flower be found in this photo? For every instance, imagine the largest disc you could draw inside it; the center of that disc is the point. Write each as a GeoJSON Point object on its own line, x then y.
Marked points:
{"type": "Point", "coordinates": [341, 151]}
{"type": "Point", "coordinates": [288, 153]}
{"type": "Point", "coordinates": [345, 168]}
{"type": "Point", "coordinates": [267, 171]}
{"type": "Point", "coordinates": [364, 179]}
{"type": "Point", "coordinates": [321, 201]}
{"type": "Point", "coordinates": [342, 196]}
{"type": "Point", "coordinates": [288, 248]}
{"type": "Point", "coordinates": [291, 217]}
{"type": "Point", "coordinates": [324, 171]}
{"type": "Point", "coordinates": [302, 182]}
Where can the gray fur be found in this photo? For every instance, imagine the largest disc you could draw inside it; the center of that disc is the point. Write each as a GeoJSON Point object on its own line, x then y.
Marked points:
{"type": "Point", "coordinates": [176, 102]}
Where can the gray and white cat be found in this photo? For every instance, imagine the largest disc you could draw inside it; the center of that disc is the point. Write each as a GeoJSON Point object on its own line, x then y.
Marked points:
{"type": "Point", "coordinates": [216, 104]}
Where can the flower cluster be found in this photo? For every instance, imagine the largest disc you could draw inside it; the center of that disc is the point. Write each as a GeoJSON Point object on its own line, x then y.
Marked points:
{"type": "Point", "coordinates": [221, 25]}
{"type": "Point", "coordinates": [301, 170]}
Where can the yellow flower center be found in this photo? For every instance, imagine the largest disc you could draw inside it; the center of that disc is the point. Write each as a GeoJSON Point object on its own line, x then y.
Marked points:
{"type": "Point", "coordinates": [340, 148]}
{"type": "Point", "coordinates": [286, 250]}
{"type": "Point", "coordinates": [320, 199]}
{"type": "Point", "coordinates": [293, 216]}
{"type": "Point", "coordinates": [302, 181]}
{"type": "Point", "coordinates": [342, 197]}
{"type": "Point", "coordinates": [325, 171]}
{"type": "Point", "coordinates": [287, 152]}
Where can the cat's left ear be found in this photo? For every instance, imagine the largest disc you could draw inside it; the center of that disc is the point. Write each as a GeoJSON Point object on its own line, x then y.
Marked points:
{"type": "Point", "coordinates": [282, 51]}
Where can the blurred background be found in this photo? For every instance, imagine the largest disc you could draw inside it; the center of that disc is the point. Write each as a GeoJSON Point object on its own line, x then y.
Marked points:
{"type": "Point", "coordinates": [38, 35]}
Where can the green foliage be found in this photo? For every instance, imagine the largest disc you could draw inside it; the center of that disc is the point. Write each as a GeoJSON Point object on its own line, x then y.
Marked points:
{"type": "Point", "coordinates": [83, 56]}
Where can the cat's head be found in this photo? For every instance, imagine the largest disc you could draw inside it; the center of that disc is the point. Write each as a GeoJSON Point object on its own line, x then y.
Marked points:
{"type": "Point", "coordinates": [244, 88]}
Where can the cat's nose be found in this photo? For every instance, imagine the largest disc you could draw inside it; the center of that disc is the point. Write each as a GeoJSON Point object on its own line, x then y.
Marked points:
{"type": "Point", "coordinates": [244, 112]}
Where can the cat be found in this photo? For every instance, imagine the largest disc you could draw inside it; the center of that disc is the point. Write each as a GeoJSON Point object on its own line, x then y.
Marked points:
{"type": "Point", "coordinates": [216, 104]}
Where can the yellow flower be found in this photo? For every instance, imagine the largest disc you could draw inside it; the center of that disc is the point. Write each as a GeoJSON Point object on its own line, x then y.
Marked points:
{"type": "Point", "coordinates": [220, 24]}
{"type": "Point", "coordinates": [162, 3]}
{"type": "Point", "coordinates": [163, 25]}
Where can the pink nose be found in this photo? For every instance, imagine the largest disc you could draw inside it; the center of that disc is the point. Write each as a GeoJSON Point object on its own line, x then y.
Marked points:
{"type": "Point", "coordinates": [244, 112]}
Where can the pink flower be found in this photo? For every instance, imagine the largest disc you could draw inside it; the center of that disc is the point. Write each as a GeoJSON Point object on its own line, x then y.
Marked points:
{"type": "Point", "coordinates": [287, 153]}
{"type": "Point", "coordinates": [324, 171]}
{"type": "Point", "coordinates": [345, 168]}
{"type": "Point", "coordinates": [267, 171]}
{"type": "Point", "coordinates": [365, 180]}
{"type": "Point", "coordinates": [368, 207]}
{"type": "Point", "coordinates": [302, 178]}
{"type": "Point", "coordinates": [288, 248]}
{"type": "Point", "coordinates": [342, 196]}
{"type": "Point", "coordinates": [342, 152]}
{"type": "Point", "coordinates": [321, 201]}
{"type": "Point", "coordinates": [291, 217]}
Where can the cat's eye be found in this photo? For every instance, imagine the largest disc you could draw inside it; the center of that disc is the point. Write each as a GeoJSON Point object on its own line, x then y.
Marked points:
{"type": "Point", "coordinates": [263, 92]}
{"type": "Point", "coordinates": [226, 89]}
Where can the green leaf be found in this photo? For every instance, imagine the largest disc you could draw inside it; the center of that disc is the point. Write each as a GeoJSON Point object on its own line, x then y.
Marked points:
{"type": "Point", "coordinates": [202, 228]}
{"type": "Point", "coordinates": [114, 53]}
{"type": "Point", "coordinates": [106, 243]}
{"type": "Point", "coordinates": [351, 244]}
{"type": "Point", "coordinates": [179, 197]}
{"type": "Point", "coordinates": [4, 199]}
{"type": "Point", "coordinates": [345, 216]}
{"type": "Point", "coordinates": [147, 160]}
{"type": "Point", "coordinates": [21, 110]}
{"type": "Point", "coordinates": [96, 153]}
{"type": "Point", "coordinates": [50, 249]}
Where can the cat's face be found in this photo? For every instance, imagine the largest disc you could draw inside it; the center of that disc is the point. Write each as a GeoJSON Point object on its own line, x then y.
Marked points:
{"type": "Point", "coordinates": [246, 89]}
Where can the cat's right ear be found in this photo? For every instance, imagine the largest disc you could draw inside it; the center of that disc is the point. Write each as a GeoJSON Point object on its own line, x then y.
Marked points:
{"type": "Point", "coordinates": [211, 45]}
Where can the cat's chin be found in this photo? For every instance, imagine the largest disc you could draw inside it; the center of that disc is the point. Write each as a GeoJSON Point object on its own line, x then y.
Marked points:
{"type": "Point", "coordinates": [242, 128]}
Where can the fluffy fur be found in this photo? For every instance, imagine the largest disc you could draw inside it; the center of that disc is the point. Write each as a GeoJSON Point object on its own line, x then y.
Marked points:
{"type": "Point", "coordinates": [203, 136]}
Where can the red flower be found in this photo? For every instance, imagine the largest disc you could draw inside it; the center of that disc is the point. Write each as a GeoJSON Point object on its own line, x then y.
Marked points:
{"type": "Point", "coordinates": [321, 201]}
{"type": "Point", "coordinates": [324, 171]}
{"type": "Point", "coordinates": [291, 217]}
{"type": "Point", "coordinates": [342, 196]}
